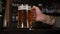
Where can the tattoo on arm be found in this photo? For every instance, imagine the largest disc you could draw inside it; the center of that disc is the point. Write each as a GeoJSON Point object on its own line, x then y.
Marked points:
{"type": "Point", "coordinates": [49, 20]}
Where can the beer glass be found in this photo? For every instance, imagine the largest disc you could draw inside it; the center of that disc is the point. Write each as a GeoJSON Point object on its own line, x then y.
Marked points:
{"type": "Point", "coordinates": [25, 16]}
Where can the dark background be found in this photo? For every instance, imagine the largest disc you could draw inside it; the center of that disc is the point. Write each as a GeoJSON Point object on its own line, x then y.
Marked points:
{"type": "Point", "coordinates": [49, 3]}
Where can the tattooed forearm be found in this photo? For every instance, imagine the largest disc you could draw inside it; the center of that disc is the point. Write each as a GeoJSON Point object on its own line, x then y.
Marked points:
{"type": "Point", "coordinates": [49, 19]}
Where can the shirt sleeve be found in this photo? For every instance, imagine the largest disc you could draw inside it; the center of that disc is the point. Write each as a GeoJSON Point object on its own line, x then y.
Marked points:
{"type": "Point", "coordinates": [41, 25]}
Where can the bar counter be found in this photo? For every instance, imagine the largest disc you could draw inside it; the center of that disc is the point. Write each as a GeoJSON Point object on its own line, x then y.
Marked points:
{"type": "Point", "coordinates": [33, 31]}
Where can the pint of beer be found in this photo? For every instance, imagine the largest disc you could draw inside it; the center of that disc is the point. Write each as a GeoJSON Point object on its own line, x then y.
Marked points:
{"type": "Point", "coordinates": [24, 16]}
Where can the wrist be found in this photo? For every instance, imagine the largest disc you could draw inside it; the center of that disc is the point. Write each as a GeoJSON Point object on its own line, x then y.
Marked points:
{"type": "Point", "coordinates": [40, 17]}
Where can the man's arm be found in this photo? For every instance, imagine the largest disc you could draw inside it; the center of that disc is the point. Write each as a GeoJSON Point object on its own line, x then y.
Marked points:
{"type": "Point", "coordinates": [48, 19]}
{"type": "Point", "coordinates": [42, 17]}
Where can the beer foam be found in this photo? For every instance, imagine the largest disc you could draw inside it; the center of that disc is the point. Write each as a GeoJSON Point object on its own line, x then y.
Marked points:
{"type": "Point", "coordinates": [24, 7]}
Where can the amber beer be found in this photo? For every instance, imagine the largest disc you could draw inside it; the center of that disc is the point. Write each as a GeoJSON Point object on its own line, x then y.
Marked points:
{"type": "Point", "coordinates": [24, 16]}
